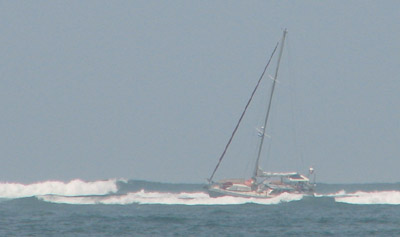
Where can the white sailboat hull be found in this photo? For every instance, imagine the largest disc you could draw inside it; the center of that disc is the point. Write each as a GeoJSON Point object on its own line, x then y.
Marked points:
{"type": "Point", "coordinates": [246, 189]}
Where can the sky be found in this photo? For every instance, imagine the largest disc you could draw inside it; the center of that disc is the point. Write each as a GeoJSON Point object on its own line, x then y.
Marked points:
{"type": "Point", "coordinates": [152, 90]}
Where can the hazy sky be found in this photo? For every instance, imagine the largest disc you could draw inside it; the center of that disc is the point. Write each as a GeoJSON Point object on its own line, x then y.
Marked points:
{"type": "Point", "coordinates": [153, 89]}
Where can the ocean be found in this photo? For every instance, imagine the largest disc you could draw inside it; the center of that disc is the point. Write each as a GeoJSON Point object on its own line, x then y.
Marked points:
{"type": "Point", "coordinates": [140, 208]}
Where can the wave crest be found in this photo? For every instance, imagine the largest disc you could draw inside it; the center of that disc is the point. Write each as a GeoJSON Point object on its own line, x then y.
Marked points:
{"type": "Point", "coordinates": [73, 188]}
{"type": "Point", "coordinates": [378, 197]}
{"type": "Point", "coordinates": [184, 198]}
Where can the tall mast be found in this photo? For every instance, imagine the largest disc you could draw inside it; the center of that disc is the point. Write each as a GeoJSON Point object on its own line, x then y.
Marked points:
{"type": "Point", "coordinates": [269, 105]}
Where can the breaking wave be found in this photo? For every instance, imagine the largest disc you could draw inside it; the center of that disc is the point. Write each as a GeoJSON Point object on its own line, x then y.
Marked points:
{"type": "Point", "coordinates": [72, 188]}
{"type": "Point", "coordinates": [183, 198]}
{"type": "Point", "coordinates": [377, 197]}
{"type": "Point", "coordinates": [337, 194]}
{"type": "Point", "coordinates": [122, 192]}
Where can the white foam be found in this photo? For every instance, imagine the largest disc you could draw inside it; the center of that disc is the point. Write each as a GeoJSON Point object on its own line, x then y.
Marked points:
{"type": "Point", "coordinates": [337, 194]}
{"type": "Point", "coordinates": [201, 198]}
{"type": "Point", "coordinates": [143, 197]}
{"type": "Point", "coordinates": [72, 188]}
{"type": "Point", "coordinates": [378, 197]}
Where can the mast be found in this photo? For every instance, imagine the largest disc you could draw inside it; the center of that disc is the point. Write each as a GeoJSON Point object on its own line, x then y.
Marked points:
{"type": "Point", "coordinates": [269, 105]}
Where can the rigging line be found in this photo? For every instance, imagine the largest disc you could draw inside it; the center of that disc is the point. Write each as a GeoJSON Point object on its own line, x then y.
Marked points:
{"type": "Point", "coordinates": [241, 117]}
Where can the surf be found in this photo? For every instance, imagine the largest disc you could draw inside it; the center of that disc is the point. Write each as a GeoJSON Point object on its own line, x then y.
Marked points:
{"type": "Point", "coordinates": [166, 198]}
{"type": "Point", "coordinates": [72, 188]}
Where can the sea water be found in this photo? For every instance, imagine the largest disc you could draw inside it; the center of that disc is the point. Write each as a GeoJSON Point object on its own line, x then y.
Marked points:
{"type": "Point", "coordinates": [140, 208]}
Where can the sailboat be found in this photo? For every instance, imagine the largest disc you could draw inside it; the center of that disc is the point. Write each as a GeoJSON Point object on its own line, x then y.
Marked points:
{"type": "Point", "coordinates": [262, 184]}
